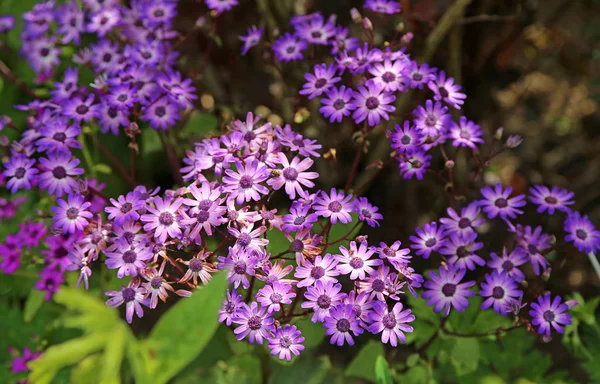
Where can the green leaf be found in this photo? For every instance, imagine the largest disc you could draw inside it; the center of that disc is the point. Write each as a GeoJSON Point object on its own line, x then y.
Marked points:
{"type": "Point", "coordinates": [415, 375]}
{"type": "Point", "coordinates": [200, 124]}
{"type": "Point", "coordinates": [277, 242]}
{"type": "Point", "coordinates": [33, 304]}
{"type": "Point", "coordinates": [88, 370]}
{"type": "Point", "coordinates": [113, 356]}
{"type": "Point", "coordinates": [382, 371]}
{"type": "Point", "coordinates": [183, 332]}
{"type": "Point", "coordinates": [103, 168]}
{"type": "Point", "coordinates": [313, 333]}
{"type": "Point", "coordinates": [306, 370]}
{"type": "Point", "coordinates": [465, 355]}
{"type": "Point", "coordinates": [363, 364]}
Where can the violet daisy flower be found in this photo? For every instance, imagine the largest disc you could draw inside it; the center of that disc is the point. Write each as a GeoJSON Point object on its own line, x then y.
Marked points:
{"type": "Point", "coordinates": [340, 323]}
{"type": "Point", "coordinates": [276, 272]}
{"type": "Point", "coordinates": [58, 172]}
{"type": "Point", "coordinates": [554, 199]}
{"type": "Point", "coordinates": [285, 341]}
{"type": "Point", "coordinates": [461, 248]}
{"type": "Point", "coordinates": [467, 221]}
{"type": "Point", "coordinates": [199, 219]}
{"type": "Point", "coordinates": [433, 119]}
{"type": "Point", "coordinates": [19, 363]}
{"type": "Point", "coordinates": [240, 264]}
{"type": "Point", "coordinates": [417, 75]}
{"type": "Point", "coordinates": [446, 90]}
{"type": "Point", "coordinates": [58, 136]}
{"type": "Point", "coordinates": [231, 305]}
{"type": "Point", "coordinates": [372, 103]}
{"type": "Point", "coordinates": [383, 6]}
{"type": "Point", "coordinates": [251, 39]}
{"type": "Point", "coordinates": [362, 305]}
{"type": "Point", "coordinates": [274, 295]}
{"type": "Point", "coordinates": [321, 297]}
{"type": "Point", "coordinates": [133, 296]}
{"type": "Point", "coordinates": [392, 324]}
{"type": "Point", "coordinates": [7, 22]}
{"type": "Point", "coordinates": [111, 119]}
{"type": "Point", "coordinates": [342, 42]}
{"type": "Point", "coordinates": [429, 239]}
{"type": "Point", "coordinates": [376, 284]}
{"type": "Point", "coordinates": [71, 215]}
{"type": "Point", "coordinates": [162, 219]}
{"type": "Point", "coordinates": [465, 133]}
{"type": "Point", "coordinates": [445, 290]}
{"type": "Point", "coordinates": [548, 314]}
{"type": "Point", "coordinates": [498, 203]}
{"type": "Point", "coordinates": [129, 260]}
{"type": "Point", "coordinates": [244, 183]}
{"type": "Point", "coordinates": [293, 175]}
{"type": "Point", "coordinates": [124, 208]}
{"type": "Point", "coordinates": [298, 219]}
{"type": "Point", "coordinates": [320, 269]}
{"type": "Point", "coordinates": [221, 6]}
{"type": "Point", "coordinates": [161, 114]}
{"type": "Point", "coordinates": [323, 79]}
{"type": "Point", "coordinates": [80, 109]}
{"type": "Point", "coordinates": [414, 165]}
{"type": "Point", "coordinates": [389, 75]}
{"type": "Point", "coordinates": [122, 96]}
{"type": "Point", "coordinates": [316, 30]}
{"type": "Point", "coordinates": [337, 103]}
{"type": "Point", "coordinates": [393, 253]}
{"type": "Point", "coordinates": [508, 263]}
{"type": "Point", "coordinates": [255, 323]}
{"type": "Point", "coordinates": [248, 237]}
{"type": "Point", "coordinates": [21, 171]}
{"type": "Point", "coordinates": [357, 261]}
{"type": "Point", "coordinates": [363, 60]}
{"type": "Point", "coordinates": [336, 206]}
{"type": "Point", "coordinates": [533, 242]}
{"type": "Point", "coordinates": [198, 267]}
{"type": "Point", "coordinates": [405, 140]}
{"type": "Point", "coordinates": [367, 212]}
{"type": "Point", "coordinates": [50, 281]}
{"type": "Point", "coordinates": [499, 290]}
{"type": "Point", "coordinates": [288, 48]}
{"type": "Point", "coordinates": [582, 233]}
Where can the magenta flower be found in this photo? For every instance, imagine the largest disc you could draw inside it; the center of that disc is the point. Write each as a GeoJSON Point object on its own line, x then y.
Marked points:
{"type": "Point", "coordinates": [251, 39]}
{"type": "Point", "coordinates": [231, 305]}
{"type": "Point", "coordinates": [467, 221]}
{"type": "Point", "coordinates": [389, 75]}
{"type": "Point", "coordinates": [293, 175]}
{"type": "Point", "coordinates": [244, 184]}
{"type": "Point", "coordinates": [129, 260]}
{"type": "Point", "coordinates": [582, 233]}
{"type": "Point", "coordinates": [321, 297]}
{"type": "Point", "coordinates": [254, 322]}
{"type": "Point", "coordinates": [274, 295]}
{"type": "Point", "coordinates": [414, 165]}
{"type": "Point", "coordinates": [162, 219]}
{"type": "Point", "coordinates": [341, 324]}
{"type": "Point", "coordinates": [249, 238]}
{"type": "Point", "coordinates": [71, 215]}
{"type": "Point", "coordinates": [460, 249]}
{"type": "Point", "coordinates": [21, 171]}
{"type": "Point", "coordinates": [372, 103]}
{"type": "Point", "coordinates": [124, 208]}
{"type": "Point", "coordinates": [336, 206]}
{"type": "Point", "coordinates": [285, 341]}
{"type": "Point", "coordinates": [133, 296]}
{"type": "Point", "coordinates": [19, 363]}
{"type": "Point", "coordinates": [388, 7]}
{"type": "Point", "coordinates": [321, 269]}
{"type": "Point", "coordinates": [446, 90]}
{"type": "Point", "coordinates": [299, 219]}
{"type": "Point", "coordinates": [357, 261]}
{"type": "Point", "coordinates": [58, 172]}
{"type": "Point", "coordinates": [433, 119]}
{"type": "Point", "coordinates": [391, 324]}
{"type": "Point", "coordinates": [465, 133]}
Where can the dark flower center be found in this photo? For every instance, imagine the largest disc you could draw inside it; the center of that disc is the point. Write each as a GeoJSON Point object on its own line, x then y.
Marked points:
{"type": "Point", "coordinates": [129, 257]}
{"type": "Point", "coordinates": [320, 83]}
{"type": "Point", "coordinates": [464, 223]}
{"type": "Point", "coordinates": [430, 242]}
{"type": "Point", "coordinates": [126, 207]}
{"type": "Point", "coordinates": [317, 272]}
{"type": "Point", "coordinates": [20, 172]}
{"type": "Point", "coordinates": [356, 262]}
{"type": "Point", "coordinates": [128, 294]}
{"type": "Point", "coordinates": [254, 323]}
{"type": "Point", "coordinates": [339, 104]}
{"type": "Point", "coordinates": [366, 213]}
{"type": "Point", "coordinates": [72, 213]}
{"type": "Point", "coordinates": [378, 285]}
{"type": "Point", "coordinates": [276, 298]}
{"type": "Point", "coordinates": [249, 136]}
{"type": "Point", "coordinates": [431, 120]}
{"type": "Point", "coordinates": [532, 249]}
{"type": "Point", "coordinates": [246, 182]}
{"type": "Point", "coordinates": [82, 109]}
{"type": "Point", "coordinates": [60, 136]}
{"type": "Point", "coordinates": [244, 240]}
{"type": "Point", "coordinates": [443, 92]}
{"type": "Point", "coordinates": [128, 236]}
{"type": "Point", "coordinates": [316, 34]}
{"type": "Point", "coordinates": [343, 325]}
{"type": "Point", "coordinates": [324, 301]}
{"type": "Point", "coordinates": [202, 216]}
{"type": "Point", "coordinates": [501, 203]}
{"type": "Point", "coordinates": [372, 102]}
{"type": "Point", "coordinates": [449, 289]}
{"type": "Point", "coordinates": [229, 307]}
{"type": "Point", "coordinates": [297, 246]}
{"type": "Point", "coordinates": [122, 98]}
{"type": "Point", "coordinates": [44, 52]}
{"type": "Point", "coordinates": [498, 292]}
{"type": "Point", "coordinates": [160, 111]}
{"type": "Point", "coordinates": [299, 220]}
{"type": "Point", "coordinates": [291, 49]}
{"type": "Point", "coordinates": [112, 112]}
{"type": "Point", "coordinates": [159, 13]}
{"type": "Point", "coordinates": [389, 252]}
{"type": "Point", "coordinates": [389, 321]}
{"type": "Point", "coordinates": [156, 282]}
{"type": "Point", "coordinates": [507, 265]}
{"type": "Point", "coordinates": [204, 205]}
{"type": "Point", "coordinates": [551, 200]}
{"type": "Point", "coordinates": [388, 77]}
{"type": "Point", "coordinates": [462, 251]}
{"type": "Point", "coordinates": [285, 342]}
{"type": "Point", "coordinates": [107, 57]}
{"type": "Point", "coordinates": [166, 218]}
{"type": "Point", "coordinates": [290, 174]}
{"type": "Point", "coordinates": [239, 267]}
{"type": "Point", "coordinates": [298, 142]}
{"type": "Point", "coordinates": [335, 206]}
{"type": "Point", "coordinates": [581, 234]}
{"type": "Point", "coordinates": [549, 316]}
{"type": "Point", "coordinates": [406, 140]}
{"type": "Point", "coordinates": [417, 76]}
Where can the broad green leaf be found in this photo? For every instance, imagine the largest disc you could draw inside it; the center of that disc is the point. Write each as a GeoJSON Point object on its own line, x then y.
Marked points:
{"type": "Point", "coordinates": [113, 355]}
{"type": "Point", "coordinates": [33, 304]}
{"type": "Point", "coordinates": [247, 367]}
{"type": "Point", "coordinates": [305, 370]}
{"type": "Point", "coordinates": [313, 333]}
{"type": "Point", "coordinates": [363, 364]}
{"type": "Point", "coordinates": [183, 332]}
{"type": "Point", "coordinates": [277, 242]}
{"type": "Point", "coordinates": [88, 370]}
{"type": "Point", "coordinates": [465, 355]}
{"type": "Point", "coordinates": [138, 356]}
{"type": "Point", "coordinates": [415, 375]}
{"type": "Point", "coordinates": [200, 124]}
{"type": "Point", "coordinates": [382, 371]}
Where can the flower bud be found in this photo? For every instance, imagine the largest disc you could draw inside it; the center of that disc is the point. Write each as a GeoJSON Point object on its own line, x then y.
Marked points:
{"type": "Point", "coordinates": [362, 238]}
{"type": "Point", "coordinates": [355, 15]}
{"type": "Point", "coordinates": [571, 303]}
{"type": "Point", "coordinates": [407, 38]}
{"type": "Point", "coordinates": [367, 24]}
{"type": "Point", "coordinates": [546, 339]}
{"type": "Point", "coordinates": [514, 141]}
{"type": "Point", "coordinates": [546, 275]}
{"type": "Point", "coordinates": [450, 164]}
{"type": "Point", "coordinates": [4, 141]}
{"type": "Point", "coordinates": [400, 27]}
{"type": "Point", "coordinates": [498, 134]}
{"type": "Point", "coordinates": [200, 22]}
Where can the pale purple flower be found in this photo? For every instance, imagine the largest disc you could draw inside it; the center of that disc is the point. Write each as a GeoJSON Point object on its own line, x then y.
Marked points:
{"type": "Point", "coordinates": [293, 175]}
{"type": "Point", "coordinates": [285, 341]}
{"type": "Point", "coordinates": [321, 297]}
{"type": "Point", "coordinates": [433, 119]}
{"type": "Point", "coordinates": [299, 218]}
{"type": "Point", "coordinates": [467, 221]}
{"type": "Point", "coordinates": [274, 295]}
{"type": "Point", "coordinates": [254, 322]}
{"type": "Point", "coordinates": [465, 133]}
{"type": "Point", "coordinates": [446, 90]}
{"type": "Point", "coordinates": [337, 103]}
{"type": "Point", "coordinates": [497, 202]}
{"type": "Point", "coordinates": [388, 7]}
{"type": "Point", "coordinates": [58, 173]}
{"type": "Point", "coordinates": [460, 249]}
{"type": "Point", "coordinates": [231, 305]}
{"type": "Point", "coordinates": [429, 239]}
{"type": "Point", "coordinates": [322, 268]}
{"type": "Point", "coordinates": [405, 140]}
{"type": "Point", "coordinates": [244, 184]}
{"type": "Point", "coordinates": [498, 290]}
{"type": "Point", "coordinates": [445, 290]}
{"type": "Point", "coordinates": [21, 171]}
{"type": "Point", "coordinates": [372, 103]}
{"type": "Point", "coordinates": [548, 314]}
{"type": "Point", "coordinates": [389, 75]}
{"type": "Point", "coordinates": [391, 324]}
{"type": "Point", "coordinates": [323, 79]}
{"type": "Point", "coordinates": [162, 219]}
{"type": "Point", "coordinates": [71, 215]}
{"type": "Point", "coordinates": [341, 324]}
{"type": "Point", "coordinates": [336, 206]}
{"type": "Point", "coordinates": [551, 200]}
{"type": "Point", "coordinates": [133, 296]}
{"type": "Point", "coordinates": [414, 165]}
{"type": "Point", "coordinates": [508, 263]}
{"type": "Point", "coordinates": [367, 212]}
{"type": "Point", "coordinates": [251, 39]}
{"type": "Point", "coordinates": [357, 261]}
{"type": "Point", "coordinates": [249, 238]}
{"type": "Point", "coordinates": [240, 264]}
{"type": "Point", "coordinates": [124, 208]}
{"type": "Point", "coordinates": [582, 233]}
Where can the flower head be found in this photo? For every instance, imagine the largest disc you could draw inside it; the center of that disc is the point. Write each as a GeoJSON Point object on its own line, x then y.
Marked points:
{"type": "Point", "coordinates": [357, 261]}
{"type": "Point", "coordinates": [372, 103]}
{"type": "Point", "coordinates": [71, 215]}
{"type": "Point", "coordinates": [254, 322]}
{"type": "Point", "coordinates": [582, 233]}
{"type": "Point", "coordinates": [251, 39]}
{"type": "Point", "coordinates": [341, 324]}
{"type": "Point", "coordinates": [548, 314]}
{"type": "Point", "coordinates": [391, 324]}
{"type": "Point", "coordinates": [497, 202]}
{"type": "Point", "coordinates": [336, 206]}
{"type": "Point", "coordinates": [551, 200]}
{"type": "Point", "coordinates": [499, 289]}
{"type": "Point", "coordinates": [286, 340]}
{"type": "Point", "coordinates": [133, 296]}
{"type": "Point", "coordinates": [445, 290]}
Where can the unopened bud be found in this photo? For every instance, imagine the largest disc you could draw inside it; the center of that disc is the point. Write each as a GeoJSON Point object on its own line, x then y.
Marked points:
{"type": "Point", "coordinates": [499, 133]}
{"type": "Point", "coordinates": [552, 240]}
{"type": "Point", "coordinates": [4, 141]}
{"type": "Point", "coordinates": [571, 303]}
{"type": "Point", "coordinates": [546, 339]}
{"type": "Point", "coordinates": [400, 27]}
{"type": "Point", "coordinates": [407, 38]}
{"type": "Point", "coordinates": [355, 15]}
{"type": "Point", "coordinates": [546, 275]}
{"type": "Point", "coordinates": [514, 141]}
{"type": "Point", "coordinates": [362, 238]}
{"type": "Point", "coordinates": [450, 164]}
{"type": "Point", "coordinates": [200, 22]}
{"type": "Point", "coordinates": [367, 24]}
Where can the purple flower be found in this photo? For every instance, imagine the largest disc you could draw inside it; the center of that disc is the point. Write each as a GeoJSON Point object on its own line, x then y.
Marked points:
{"type": "Point", "coordinates": [340, 323]}
{"type": "Point", "coordinates": [71, 215]}
{"type": "Point", "coordinates": [367, 212]}
{"type": "Point", "coordinates": [50, 281]}
{"type": "Point", "coordinates": [499, 289]}
{"type": "Point", "coordinates": [465, 134]}
{"type": "Point", "coordinates": [19, 363]}
{"type": "Point", "coordinates": [508, 263]}
{"type": "Point", "coordinates": [129, 260]}
{"type": "Point", "coordinates": [221, 5]}
{"type": "Point", "coordinates": [58, 136]}
{"type": "Point", "coordinates": [288, 48]}
{"type": "Point", "coordinates": [244, 184]}
{"type": "Point", "coordinates": [321, 297]}
{"type": "Point", "coordinates": [461, 248]}
{"type": "Point", "coordinates": [357, 261]}
{"type": "Point", "coordinates": [231, 305]}
{"type": "Point", "coordinates": [240, 264]}
{"type": "Point", "coordinates": [392, 324]}
{"type": "Point", "coordinates": [393, 253]}
{"type": "Point", "coordinates": [383, 6]}
{"type": "Point", "coordinates": [124, 208]}
{"type": "Point", "coordinates": [321, 269]}
{"type": "Point", "coordinates": [161, 114]}
{"type": "Point", "coordinates": [342, 42]}
{"type": "Point", "coordinates": [198, 267]}
{"type": "Point", "coordinates": [548, 314]}
{"type": "Point", "coordinates": [133, 296]}
{"type": "Point", "coordinates": [446, 90]}
{"type": "Point", "coordinates": [533, 242]}
{"type": "Point", "coordinates": [298, 219]}
{"type": "Point", "coordinates": [7, 22]}
{"type": "Point", "coordinates": [249, 238]}
{"type": "Point", "coordinates": [377, 283]}
{"type": "Point", "coordinates": [42, 54]}
{"type": "Point", "coordinates": [274, 295]}
{"type": "Point", "coordinates": [21, 171]}
{"type": "Point", "coordinates": [554, 199]}
{"type": "Point", "coordinates": [285, 341]}
{"type": "Point", "coordinates": [122, 96]}
{"type": "Point", "coordinates": [316, 30]}
{"type": "Point", "coordinates": [372, 103]}
{"type": "Point", "coordinates": [498, 203]}
{"type": "Point", "coordinates": [81, 109]}
{"type": "Point", "coordinates": [582, 233]}
{"type": "Point", "coordinates": [337, 103]}
{"type": "Point", "coordinates": [31, 233]}
{"type": "Point", "coordinates": [163, 219]}
{"type": "Point", "coordinates": [405, 140]}
{"type": "Point", "coordinates": [251, 39]}
{"type": "Point", "coordinates": [414, 165]}
{"type": "Point", "coordinates": [363, 60]}
{"type": "Point", "coordinates": [58, 172]}
{"type": "Point", "coordinates": [433, 119]}
{"type": "Point", "coordinates": [466, 222]}
{"type": "Point", "coordinates": [293, 175]}
{"type": "Point", "coordinates": [255, 323]}
{"type": "Point", "coordinates": [388, 75]}
{"type": "Point", "coordinates": [417, 75]}
{"type": "Point", "coordinates": [446, 290]}
{"type": "Point", "coordinates": [336, 206]}
{"type": "Point", "coordinates": [362, 305]}
{"type": "Point", "coordinates": [323, 79]}
{"type": "Point", "coordinates": [429, 239]}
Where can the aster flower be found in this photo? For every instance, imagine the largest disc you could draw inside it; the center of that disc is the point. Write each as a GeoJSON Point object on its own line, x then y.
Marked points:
{"type": "Point", "coordinates": [157, 287]}
{"type": "Point", "coordinates": [58, 136]}
{"type": "Point", "coordinates": [389, 75]}
{"type": "Point", "coordinates": [299, 218]}
{"type": "Point", "coordinates": [320, 269]}
{"type": "Point", "coordinates": [276, 272]}
{"type": "Point", "coordinates": [274, 295]}
{"type": "Point", "coordinates": [533, 242]}
{"type": "Point", "coordinates": [316, 30]}
{"type": "Point", "coordinates": [161, 114]}
{"type": "Point", "coordinates": [496, 202]}
{"type": "Point", "coordinates": [372, 103]}
{"type": "Point", "coordinates": [551, 200]}
{"type": "Point", "coordinates": [293, 175]}
{"type": "Point", "coordinates": [418, 76]}
{"type": "Point", "coordinates": [336, 206]}
{"type": "Point", "coordinates": [465, 133]}
{"type": "Point", "coordinates": [221, 5]}
{"type": "Point", "coordinates": [240, 264]}
{"type": "Point", "coordinates": [548, 314]}
{"type": "Point", "coordinates": [58, 172]}
{"type": "Point", "coordinates": [342, 42]}
{"type": "Point", "coordinates": [198, 267]}
{"type": "Point", "coordinates": [199, 219]}
{"type": "Point", "coordinates": [179, 90]}
{"type": "Point", "coordinates": [321, 297]}
{"type": "Point", "coordinates": [129, 260]}
{"type": "Point", "coordinates": [363, 59]}
{"type": "Point", "coordinates": [445, 290]}
{"type": "Point", "coordinates": [508, 263]}
{"type": "Point", "coordinates": [582, 233]}
{"type": "Point", "coordinates": [405, 140]}
{"type": "Point", "coordinates": [244, 184]}
{"type": "Point", "coordinates": [357, 261]}
{"type": "Point", "coordinates": [461, 248]}
{"type": "Point", "coordinates": [111, 119]}
{"type": "Point", "coordinates": [133, 296]}
{"type": "Point", "coordinates": [50, 281]}
{"type": "Point", "coordinates": [323, 79]}
{"type": "Point", "coordinates": [433, 119]}
{"type": "Point", "coordinates": [21, 171]}
{"type": "Point", "coordinates": [124, 208]}
{"type": "Point", "coordinates": [367, 212]}
{"type": "Point", "coordinates": [499, 289]}
{"type": "Point", "coordinates": [393, 253]}
{"type": "Point", "coordinates": [81, 109]}
{"type": "Point", "coordinates": [42, 54]}
{"type": "Point", "coordinates": [288, 48]}
{"type": "Point", "coordinates": [362, 305]}
{"type": "Point", "coordinates": [446, 90]}
{"type": "Point", "coordinates": [122, 96]}
{"type": "Point", "coordinates": [254, 322]}
{"type": "Point", "coordinates": [104, 21]}
{"type": "Point", "coordinates": [71, 215]}
{"type": "Point", "coordinates": [383, 6]}
{"type": "Point", "coordinates": [391, 324]}
{"type": "Point", "coordinates": [251, 39]}
{"type": "Point", "coordinates": [304, 245]}
{"type": "Point", "coordinates": [414, 165]}
{"type": "Point", "coordinates": [341, 324]}
{"type": "Point", "coordinates": [7, 22]}
{"type": "Point", "coordinates": [337, 103]}
{"type": "Point", "coordinates": [19, 363]}
{"type": "Point", "coordinates": [467, 221]}
{"type": "Point", "coordinates": [162, 219]}
{"type": "Point", "coordinates": [231, 305]}
{"type": "Point", "coordinates": [376, 284]}
{"type": "Point", "coordinates": [429, 239]}
{"type": "Point", "coordinates": [248, 237]}
{"type": "Point", "coordinates": [285, 341]}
